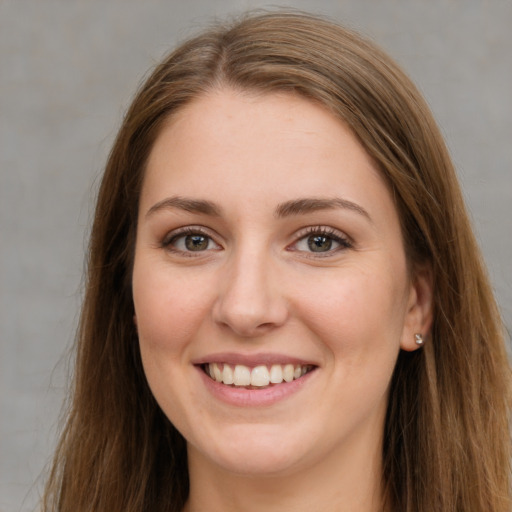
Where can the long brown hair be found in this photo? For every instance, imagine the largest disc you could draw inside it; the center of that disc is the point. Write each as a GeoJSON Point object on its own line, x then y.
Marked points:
{"type": "Point", "coordinates": [446, 439]}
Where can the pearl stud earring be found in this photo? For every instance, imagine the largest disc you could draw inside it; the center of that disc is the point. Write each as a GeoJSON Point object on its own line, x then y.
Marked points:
{"type": "Point", "coordinates": [418, 338]}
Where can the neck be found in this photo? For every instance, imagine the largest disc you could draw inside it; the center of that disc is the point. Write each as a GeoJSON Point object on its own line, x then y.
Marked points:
{"type": "Point", "coordinates": [351, 483]}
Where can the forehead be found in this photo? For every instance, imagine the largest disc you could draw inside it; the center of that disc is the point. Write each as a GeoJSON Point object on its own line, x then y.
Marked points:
{"type": "Point", "coordinates": [227, 128]}
{"type": "Point", "coordinates": [253, 151]}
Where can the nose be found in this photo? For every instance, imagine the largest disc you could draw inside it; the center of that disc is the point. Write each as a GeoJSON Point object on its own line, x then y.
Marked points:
{"type": "Point", "coordinates": [250, 301]}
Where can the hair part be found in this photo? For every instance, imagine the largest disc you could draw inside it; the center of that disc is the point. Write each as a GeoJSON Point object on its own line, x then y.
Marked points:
{"type": "Point", "coordinates": [446, 439]}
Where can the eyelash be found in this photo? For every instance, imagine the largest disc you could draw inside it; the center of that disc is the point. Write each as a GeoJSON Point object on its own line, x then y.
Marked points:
{"type": "Point", "coordinates": [321, 231]}
{"type": "Point", "coordinates": [171, 238]}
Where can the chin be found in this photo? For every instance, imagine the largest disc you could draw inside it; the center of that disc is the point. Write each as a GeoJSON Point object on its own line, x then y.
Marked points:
{"type": "Point", "coordinates": [254, 453]}
{"type": "Point", "coordinates": [260, 464]}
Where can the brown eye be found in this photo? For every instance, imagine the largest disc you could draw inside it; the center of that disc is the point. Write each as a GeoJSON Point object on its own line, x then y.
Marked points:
{"type": "Point", "coordinates": [319, 243]}
{"type": "Point", "coordinates": [322, 241]}
{"type": "Point", "coordinates": [196, 242]}
{"type": "Point", "coordinates": [189, 241]}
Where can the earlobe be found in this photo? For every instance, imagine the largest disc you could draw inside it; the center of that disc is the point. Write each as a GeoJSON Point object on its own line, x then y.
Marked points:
{"type": "Point", "coordinates": [419, 315]}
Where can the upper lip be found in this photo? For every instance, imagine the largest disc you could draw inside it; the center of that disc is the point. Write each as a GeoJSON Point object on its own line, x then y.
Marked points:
{"type": "Point", "coordinates": [251, 360]}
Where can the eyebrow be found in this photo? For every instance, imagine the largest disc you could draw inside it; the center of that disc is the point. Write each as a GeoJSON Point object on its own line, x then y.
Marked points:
{"type": "Point", "coordinates": [186, 204]}
{"type": "Point", "coordinates": [288, 208]}
{"type": "Point", "coordinates": [307, 205]}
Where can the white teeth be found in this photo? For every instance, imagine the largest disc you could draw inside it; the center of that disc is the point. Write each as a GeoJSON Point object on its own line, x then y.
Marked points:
{"type": "Point", "coordinates": [241, 375]}
{"type": "Point", "coordinates": [227, 374]}
{"type": "Point", "coordinates": [215, 372]}
{"type": "Point", "coordinates": [276, 374]}
{"type": "Point", "coordinates": [288, 371]}
{"type": "Point", "coordinates": [259, 376]}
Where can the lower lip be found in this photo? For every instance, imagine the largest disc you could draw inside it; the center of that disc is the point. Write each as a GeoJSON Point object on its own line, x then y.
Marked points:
{"type": "Point", "coordinates": [242, 397]}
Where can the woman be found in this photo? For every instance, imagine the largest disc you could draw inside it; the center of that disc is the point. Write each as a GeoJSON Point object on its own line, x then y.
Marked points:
{"type": "Point", "coordinates": [286, 308]}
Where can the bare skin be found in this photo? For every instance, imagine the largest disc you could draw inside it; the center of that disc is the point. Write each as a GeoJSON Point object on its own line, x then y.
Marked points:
{"type": "Point", "coordinates": [267, 237]}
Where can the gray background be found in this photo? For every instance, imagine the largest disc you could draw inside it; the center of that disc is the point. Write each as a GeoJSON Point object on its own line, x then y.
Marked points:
{"type": "Point", "coordinates": [67, 72]}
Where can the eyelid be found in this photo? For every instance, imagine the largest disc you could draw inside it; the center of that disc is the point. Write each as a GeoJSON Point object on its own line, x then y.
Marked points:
{"type": "Point", "coordinates": [167, 240]}
{"type": "Point", "coordinates": [335, 234]}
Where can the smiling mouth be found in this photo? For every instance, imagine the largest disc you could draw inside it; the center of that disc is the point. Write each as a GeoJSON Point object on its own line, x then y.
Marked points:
{"type": "Point", "coordinates": [257, 377]}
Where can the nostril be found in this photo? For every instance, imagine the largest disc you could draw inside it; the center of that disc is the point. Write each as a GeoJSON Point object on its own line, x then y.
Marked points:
{"type": "Point", "coordinates": [248, 329]}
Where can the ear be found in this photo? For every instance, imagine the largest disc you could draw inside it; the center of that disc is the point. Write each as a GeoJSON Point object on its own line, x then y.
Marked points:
{"type": "Point", "coordinates": [419, 314]}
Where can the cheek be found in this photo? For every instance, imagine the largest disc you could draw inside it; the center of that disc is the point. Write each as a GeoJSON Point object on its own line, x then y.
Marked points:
{"type": "Point", "coordinates": [357, 311]}
{"type": "Point", "coordinates": [169, 312]}
{"type": "Point", "coordinates": [356, 320]}
{"type": "Point", "coordinates": [169, 309]}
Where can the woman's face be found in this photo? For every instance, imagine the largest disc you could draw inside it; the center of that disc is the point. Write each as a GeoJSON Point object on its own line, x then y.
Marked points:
{"type": "Point", "coordinates": [269, 255]}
